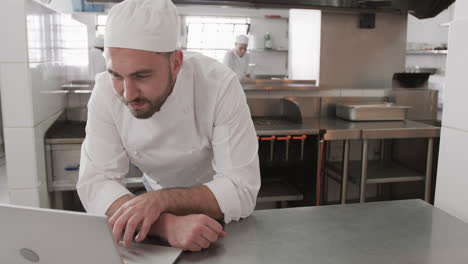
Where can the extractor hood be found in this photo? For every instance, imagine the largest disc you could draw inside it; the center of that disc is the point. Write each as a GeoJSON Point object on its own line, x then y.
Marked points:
{"type": "Point", "coordinates": [419, 8]}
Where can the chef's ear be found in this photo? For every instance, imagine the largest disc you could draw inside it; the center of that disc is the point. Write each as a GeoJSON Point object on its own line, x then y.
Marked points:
{"type": "Point", "coordinates": [177, 58]}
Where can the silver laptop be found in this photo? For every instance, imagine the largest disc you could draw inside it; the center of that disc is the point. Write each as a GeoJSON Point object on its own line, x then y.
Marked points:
{"type": "Point", "coordinates": [33, 235]}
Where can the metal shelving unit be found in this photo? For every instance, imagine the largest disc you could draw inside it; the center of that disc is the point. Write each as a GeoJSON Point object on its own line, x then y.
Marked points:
{"type": "Point", "coordinates": [378, 172]}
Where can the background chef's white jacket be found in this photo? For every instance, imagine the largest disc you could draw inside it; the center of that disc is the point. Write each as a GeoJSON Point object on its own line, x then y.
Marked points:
{"type": "Point", "coordinates": [238, 64]}
{"type": "Point", "coordinates": [203, 134]}
{"type": "Point", "coordinates": [97, 62]}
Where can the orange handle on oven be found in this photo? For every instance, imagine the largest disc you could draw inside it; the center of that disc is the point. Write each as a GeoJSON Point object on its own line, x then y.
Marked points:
{"type": "Point", "coordinates": [300, 137]}
{"type": "Point", "coordinates": [268, 138]}
{"type": "Point", "coordinates": [284, 138]}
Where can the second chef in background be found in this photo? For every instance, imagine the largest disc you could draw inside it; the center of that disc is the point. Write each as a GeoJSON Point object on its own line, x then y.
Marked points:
{"type": "Point", "coordinates": [238, 59]}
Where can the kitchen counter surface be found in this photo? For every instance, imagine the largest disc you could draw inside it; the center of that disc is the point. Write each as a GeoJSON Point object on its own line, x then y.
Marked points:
{"type": "Point", "coordinates": [309, 126]}
{"type": "Point", "coordinates": [409, 231]}
{"type": "Point", "coordinates": [332, 129]}
{"type": "Point", "coordinates": [268, 85]}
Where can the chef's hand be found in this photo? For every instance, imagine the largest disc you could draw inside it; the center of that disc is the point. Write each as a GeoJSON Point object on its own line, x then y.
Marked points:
{"type": "Point", "coordinates": [138, 213]}
{"type": "Point", "coordinates": [193, 232]}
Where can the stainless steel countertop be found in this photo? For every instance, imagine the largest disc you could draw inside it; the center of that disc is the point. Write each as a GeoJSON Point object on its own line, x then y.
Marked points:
{"type": "Point", "coordinates": [333, 129]}
{"type": "Point", "coordinates": [309, 126]}
{"type": "Point", "coordinates": [410, 231]}
{"type": "Point", "coordinates": [338, 129]}
{"type": "Point", "coordinates": [268, 85]}
{"type": "Point", "coordinates": [399, 129]}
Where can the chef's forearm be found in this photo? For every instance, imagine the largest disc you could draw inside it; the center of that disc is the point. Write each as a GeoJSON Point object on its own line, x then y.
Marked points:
{"type": "Point", "coordinates": [195, 200]}
{"type": "Point", "coordinates": [118, 203]}
{"type": "Point", "coordinates": [162, 226]}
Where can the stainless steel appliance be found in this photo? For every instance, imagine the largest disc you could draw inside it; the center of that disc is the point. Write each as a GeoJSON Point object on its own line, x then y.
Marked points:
{"type": "Point", "coordinates": [371, 111]}
{"type": "Point", "coordinates": [287, 148]}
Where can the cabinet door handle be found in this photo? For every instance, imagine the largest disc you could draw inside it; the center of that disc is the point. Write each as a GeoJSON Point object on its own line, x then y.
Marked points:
{"type": "Point", "coordinates": [72, 168]}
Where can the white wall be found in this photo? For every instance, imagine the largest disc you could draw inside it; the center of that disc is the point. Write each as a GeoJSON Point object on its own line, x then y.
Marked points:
{"type": "Point", "coordinates": [431, 31]}
{"type": "Point", "coordinates": [304, 39]}
{"type": "Point", "coordinates": [452, 176]}
{"type": "Point", "coordinates": [427, 34]}
{"type": "Point", "coordinates": [34, 62]}
{"type": "Point", "coordinates": [60, 5]}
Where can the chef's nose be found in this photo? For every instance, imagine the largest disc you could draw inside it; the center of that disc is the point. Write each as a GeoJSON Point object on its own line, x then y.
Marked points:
{"type": "Point", "coordinates": [130, 90]}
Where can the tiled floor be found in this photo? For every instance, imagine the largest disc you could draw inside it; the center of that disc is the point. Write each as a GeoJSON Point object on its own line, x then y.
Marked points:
{"type": "Point", "coordinates": [3, 183]}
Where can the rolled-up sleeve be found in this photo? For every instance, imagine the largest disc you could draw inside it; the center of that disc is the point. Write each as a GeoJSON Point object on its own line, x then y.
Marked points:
{"type": "Point", "coordinates": [235, 147]}
{"type": "Point", "coordinates": [104, 162]}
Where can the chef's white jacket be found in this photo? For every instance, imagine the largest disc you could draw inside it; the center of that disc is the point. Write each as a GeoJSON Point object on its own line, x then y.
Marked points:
{"type": "Point", "coordinates": [237, 64]}
{"type": "Point", "coordinates": [203, 135]}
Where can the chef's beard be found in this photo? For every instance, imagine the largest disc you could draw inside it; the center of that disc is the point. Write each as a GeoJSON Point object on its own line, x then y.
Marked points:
{"type": "Point", "coordinates": [155, 105]}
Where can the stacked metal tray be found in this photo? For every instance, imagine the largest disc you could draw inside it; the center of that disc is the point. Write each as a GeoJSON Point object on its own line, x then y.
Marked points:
{"type": "Point", "coordinates": [372, 111]}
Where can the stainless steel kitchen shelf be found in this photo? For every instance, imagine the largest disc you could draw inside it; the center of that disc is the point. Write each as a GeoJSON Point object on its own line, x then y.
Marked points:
{"type": "Point", "coordinates": [378, 172]}
{"type": "Point", "coordinates": [81, 88]}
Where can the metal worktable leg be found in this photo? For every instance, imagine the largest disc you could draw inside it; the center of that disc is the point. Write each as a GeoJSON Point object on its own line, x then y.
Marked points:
{"type": "Point", "coordinates": [318, 188]}
{"type": "Point", "coordinates": [427, 189]}
{"type": "Point", "coordinates": [344, 178]}
{"type": "Point", "coordinates": [364, 171]}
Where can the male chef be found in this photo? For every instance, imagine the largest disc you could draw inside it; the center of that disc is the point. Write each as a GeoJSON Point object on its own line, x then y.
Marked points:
{"type": "Point", "coordinates": [238, 59]}
{"type": "Point", "coordinates": [182, 119]}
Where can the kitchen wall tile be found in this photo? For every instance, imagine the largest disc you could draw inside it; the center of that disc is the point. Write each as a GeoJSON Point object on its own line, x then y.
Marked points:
{"type": "Point", "coordinates": [46, 81]}
{"type": "Point", "coordinates": [16, 95]}
{"type": "Point", "coordinates": [13, 47]}
{"type": "Point", "coordinates": [25, 155]}
{"type": "Point", "coordinates": [373, 92]}
{"type": "Point", "coordinates": [25, 197]}
{"type": "Point", "coordinates": [21, 162]}
{"type": "Point", "coordinates": [451, 194]}
{"type": "Point", "coordinates": [352, 92]}
{"type": "Point", "coordinates": [35, 197]}
{"type": "Point", "coordinates": [456, 90]}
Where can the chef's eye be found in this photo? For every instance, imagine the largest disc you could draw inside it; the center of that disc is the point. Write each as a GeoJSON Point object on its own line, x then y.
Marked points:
{"type": "Point", "coordinates": [141, 76]}
{"type": "Point", "coordinates": [115, 76]}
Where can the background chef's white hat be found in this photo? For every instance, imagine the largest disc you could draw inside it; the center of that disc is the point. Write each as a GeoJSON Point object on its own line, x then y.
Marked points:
{"type": "Point", "coordinates": [242, 39]}
{"type": "Point", "coordinates": [150, 25]}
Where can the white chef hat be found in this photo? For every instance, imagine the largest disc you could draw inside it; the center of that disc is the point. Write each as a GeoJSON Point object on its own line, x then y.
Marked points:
{"type": "Point", "coordinates": [150, 25]}
{"type": "Point", "coordinates": [242, 39]}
